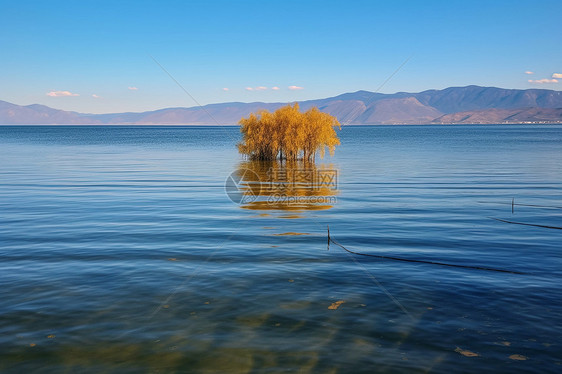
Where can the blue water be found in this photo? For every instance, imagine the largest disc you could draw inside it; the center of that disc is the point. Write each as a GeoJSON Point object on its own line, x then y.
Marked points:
{"type": "Point", "coordinates": [121, 252]}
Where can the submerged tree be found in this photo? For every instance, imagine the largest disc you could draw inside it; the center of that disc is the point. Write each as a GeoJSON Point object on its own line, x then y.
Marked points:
{"type": "Point", "coordinates": [288, 134]}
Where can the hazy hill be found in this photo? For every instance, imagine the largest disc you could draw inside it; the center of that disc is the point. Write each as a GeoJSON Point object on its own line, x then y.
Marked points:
{"type": "Point", "coordinates": [457, 99]}
{"type": "Point", "coordinates": [471, 104]}
{"type": "Point", "coordinates": [38, 114]}
{"type": "Point", "coordinates": [525, 115]}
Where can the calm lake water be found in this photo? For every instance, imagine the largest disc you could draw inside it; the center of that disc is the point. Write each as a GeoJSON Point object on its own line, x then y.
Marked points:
{"type": "Point", "coordinates": [121, 252]}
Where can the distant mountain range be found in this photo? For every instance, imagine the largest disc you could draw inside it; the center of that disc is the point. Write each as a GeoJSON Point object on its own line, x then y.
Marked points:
{"type": "Point", "coordinates": [462, 105]}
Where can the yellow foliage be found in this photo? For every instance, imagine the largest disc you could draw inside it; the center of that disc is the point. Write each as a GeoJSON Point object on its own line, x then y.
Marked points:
{"type": "Point", "coordinates": [288, 134]}
{"type": "Point", "coordinates": [336, 305]}
{"type": "Point", "coordinates": [466, 352]}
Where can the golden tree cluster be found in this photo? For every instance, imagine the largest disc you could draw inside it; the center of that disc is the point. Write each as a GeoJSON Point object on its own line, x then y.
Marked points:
{"type": "Point", "coordinates": [288, 134]}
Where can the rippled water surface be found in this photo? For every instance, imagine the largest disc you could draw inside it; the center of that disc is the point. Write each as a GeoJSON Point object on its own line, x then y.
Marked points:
{"type": "Point", "coordinates": [121, 252]}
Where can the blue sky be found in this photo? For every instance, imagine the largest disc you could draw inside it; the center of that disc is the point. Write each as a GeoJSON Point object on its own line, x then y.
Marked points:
{"type": "Point", "coordinates": [95, 56]}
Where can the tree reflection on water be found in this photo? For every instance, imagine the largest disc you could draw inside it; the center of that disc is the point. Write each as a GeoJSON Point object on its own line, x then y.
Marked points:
{"type": "Point", "coordinates": [287, 185]}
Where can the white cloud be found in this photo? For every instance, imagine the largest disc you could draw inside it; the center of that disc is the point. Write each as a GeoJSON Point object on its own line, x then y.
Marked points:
{"type": "Point", "coordinates": [226, 89]}
{"type": "Point", "coordinates": [260, 88]}
{"type": "Point", "coordinates": [96, 96]}
{"type": "Point", "coordinates": [529, 72]}
{"type": "Point", "coordinates": [275, 88]}
{"type": "Point", "coordinates": [295, 88]}
{"type": "Point", "coordinates": [61, 93]}
{"type": "Point", "coordinates": [249, 88]}
{"type": "Point", "coordinates": [556, 75]}
{"type": "Point", "coordinates": [132, 88]}
{"type": "Point", "coordinates": [541, 81]}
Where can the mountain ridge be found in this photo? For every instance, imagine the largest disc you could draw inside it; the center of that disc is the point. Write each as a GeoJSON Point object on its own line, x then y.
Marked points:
{"type": "Point", "coordinates": [468, 104]}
